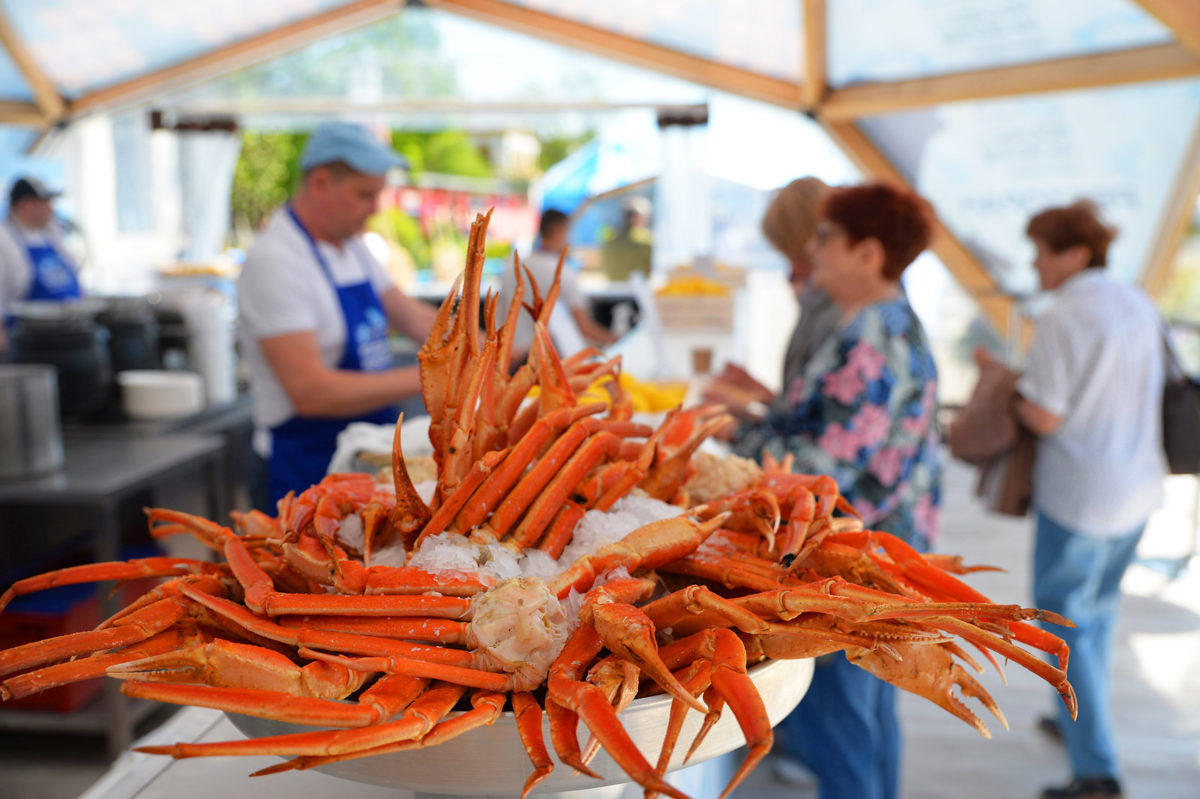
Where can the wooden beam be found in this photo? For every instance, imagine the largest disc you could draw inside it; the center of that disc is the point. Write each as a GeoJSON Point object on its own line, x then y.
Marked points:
{"type": "Point", "coordinates": [961, 262]}
{"type": "Point", "coordinates": [13, 112]}
{"type": "Point", "coordinates": [1160, 62]}
{"type": "Point", "coordinates": [813, 87]}
{"type": "Point", "coordinates": [627, 49]}
{"type": "Point", "coordinates": [239, 54]}
{"type": "Point", "coordinates": [1181, 16]}
{"type": "Point", "coordinates": [1176, 218]}
{"type": "Point", "coordinates": [45, 95]}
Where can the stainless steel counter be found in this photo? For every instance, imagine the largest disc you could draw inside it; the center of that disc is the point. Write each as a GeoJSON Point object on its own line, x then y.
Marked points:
{"type": "Point", "coordinates": [101, 470]}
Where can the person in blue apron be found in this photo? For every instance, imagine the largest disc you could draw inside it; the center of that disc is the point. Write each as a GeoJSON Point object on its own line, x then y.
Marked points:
{"type": "Point", "coordinates": [33, 262]}
{"type": "Point", "coordinates": [316, 309]}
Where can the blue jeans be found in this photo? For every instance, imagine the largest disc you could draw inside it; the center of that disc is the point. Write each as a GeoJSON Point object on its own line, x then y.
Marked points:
{"type": "Point", "coordinates": [846, 732]}
{"type": "Point", "coordinates": [1079, 576]}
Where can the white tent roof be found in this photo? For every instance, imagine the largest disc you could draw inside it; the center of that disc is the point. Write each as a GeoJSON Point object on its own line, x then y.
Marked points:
{"type": "Point", "coordinates": [992, 110]}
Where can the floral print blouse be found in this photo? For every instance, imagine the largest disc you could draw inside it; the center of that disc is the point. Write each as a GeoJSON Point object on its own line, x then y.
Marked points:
{"type": "Point", "coordinates": [864, 411]}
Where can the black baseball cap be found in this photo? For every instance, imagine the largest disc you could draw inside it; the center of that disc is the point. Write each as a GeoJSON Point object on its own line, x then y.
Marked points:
{"type": "Point", "coordinates": [29, 187]}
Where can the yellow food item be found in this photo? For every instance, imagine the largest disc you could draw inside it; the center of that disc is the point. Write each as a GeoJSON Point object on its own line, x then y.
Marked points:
{"type": "Point", "coordinates": [646, 396]}
{"type": "Point", "coordinates": [652, 396]}
{"type": "Point", "coordinates": [693, 285]}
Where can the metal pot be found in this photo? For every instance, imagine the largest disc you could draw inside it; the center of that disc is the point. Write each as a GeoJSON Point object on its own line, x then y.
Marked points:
{"type": "Point", "coordinates": [30, 440]}
{"type": "Point", "coordinates": [78, 348]}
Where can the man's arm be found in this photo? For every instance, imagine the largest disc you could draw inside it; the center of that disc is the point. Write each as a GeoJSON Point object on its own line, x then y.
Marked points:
{"type": "Point", "coordinates": [317, 390]}
{"type": "Point", "coordinates": [409, 315]}
{"type": "Point", "coordinates": [593, 331]}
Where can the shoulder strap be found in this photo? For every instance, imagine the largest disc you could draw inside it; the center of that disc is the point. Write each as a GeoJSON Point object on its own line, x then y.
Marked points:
{"type": "Point", "coordinates": [1174, 367]}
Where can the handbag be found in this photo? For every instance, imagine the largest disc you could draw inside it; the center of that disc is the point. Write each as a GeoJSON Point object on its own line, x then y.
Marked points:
{"type": "Point", "coordinates": [1006, 482]}
{"type": "Point", "coordinates": [986, 428]}
{"type": "Point", "coordinates": [1180, 416]}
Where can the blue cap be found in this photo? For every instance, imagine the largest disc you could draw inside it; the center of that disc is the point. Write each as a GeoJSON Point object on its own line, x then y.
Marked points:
{"type": "Point", "coordinates": [351, 144]}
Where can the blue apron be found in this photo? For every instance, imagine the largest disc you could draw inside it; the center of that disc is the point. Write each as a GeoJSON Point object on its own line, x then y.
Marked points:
{"type": "Point", "coordinates": [301, 447]}
{"type": "Point", "coordinates": [53, 277]}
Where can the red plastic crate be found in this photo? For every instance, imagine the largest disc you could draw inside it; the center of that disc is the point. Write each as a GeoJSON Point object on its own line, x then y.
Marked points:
{"type": "Point", "coordinates": [58, 611]}
{"type": "Point", "coordinates": [70, 609]}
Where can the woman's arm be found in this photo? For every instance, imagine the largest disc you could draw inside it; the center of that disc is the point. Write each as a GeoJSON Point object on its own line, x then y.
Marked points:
{"type": "Point", "coordinates": [1040, 421]}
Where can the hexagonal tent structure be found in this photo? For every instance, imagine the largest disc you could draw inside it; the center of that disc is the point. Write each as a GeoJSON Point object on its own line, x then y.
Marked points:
{"type": "Point", "coordinates": [990, 109]}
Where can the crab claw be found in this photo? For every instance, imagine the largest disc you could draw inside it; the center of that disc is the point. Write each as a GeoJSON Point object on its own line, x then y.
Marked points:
{"type": "Point", "coordinates": [929, 670]}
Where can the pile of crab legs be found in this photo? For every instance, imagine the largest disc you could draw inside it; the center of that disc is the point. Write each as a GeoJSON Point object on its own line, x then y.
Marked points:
{"type": "Point", "coordinates": [296, 623]}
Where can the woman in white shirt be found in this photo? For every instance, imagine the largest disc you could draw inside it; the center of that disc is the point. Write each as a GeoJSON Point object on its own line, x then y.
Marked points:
{"type": "Point", "coordinates": [1092, 391]}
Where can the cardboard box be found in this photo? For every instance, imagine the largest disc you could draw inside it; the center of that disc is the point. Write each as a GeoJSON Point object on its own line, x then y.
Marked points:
{"type": "Point", "coordinates": [697, 312]}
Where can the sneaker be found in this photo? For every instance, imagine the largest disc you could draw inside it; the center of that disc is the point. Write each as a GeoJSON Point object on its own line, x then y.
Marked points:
{"type": "Point", "coordinates": [1087, 788]}
{"type": "Point", "coordinates": [1048, 726]}
{"type": "Point", "coordinates": [790, 772]}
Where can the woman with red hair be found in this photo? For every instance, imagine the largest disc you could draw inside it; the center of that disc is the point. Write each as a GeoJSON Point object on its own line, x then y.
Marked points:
{"type": "Point", "coordinates": [862, 409]}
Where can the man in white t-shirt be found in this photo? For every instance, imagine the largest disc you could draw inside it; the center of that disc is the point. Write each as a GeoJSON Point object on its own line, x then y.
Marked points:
{"type": "Point", "coordinates": [541, 263]}
{"type": "Point", "coordinates": [1092, 392]}
{"type": "Point", "coordinates": [315, 311]}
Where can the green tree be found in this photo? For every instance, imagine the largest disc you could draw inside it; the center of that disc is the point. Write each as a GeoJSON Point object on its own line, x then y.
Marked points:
{"type": "Point", "coordinates": [556, 148]}
{"type": "Point", "coordinates": [267, 170]}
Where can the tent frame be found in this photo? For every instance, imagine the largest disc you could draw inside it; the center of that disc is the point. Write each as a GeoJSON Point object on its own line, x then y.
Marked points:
{"type": "Point", "coordinates": [837, 111]}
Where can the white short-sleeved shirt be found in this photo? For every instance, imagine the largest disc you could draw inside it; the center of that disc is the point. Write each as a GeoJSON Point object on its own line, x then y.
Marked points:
{"type": "Point", "coordinates": [1096, 360]}
{"type": "Point", "coordinates": [282, 289]}
{"type": "Point", "coordinates": [16, 271]}
{"type": "Point", "coordinates": [541, 265]}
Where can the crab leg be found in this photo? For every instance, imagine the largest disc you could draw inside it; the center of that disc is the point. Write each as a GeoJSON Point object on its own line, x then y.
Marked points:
{"type": "Point", "coordinates": [696, 678]}
{"type": "Point", "coordinates": [131, 629]}
{"type": "Point", "coordinates": [648, 547]}
{"type": "Point", "coordinates": [410, 513]}
{"type": "Point", "coordinates": [407, 693]}
{"type": "Point", "coordinates": [112, 570]}
{"type": "Point", "coordinates": [32, 682]}
{"type": "Point", "coordinates": [528, 715]}
{"type": "Point", "coordinates": [454, 503]}
{"type": "Point", "coordinates": [499, 483]}
{"type": "Point", "coordinates": [442, 631]}
{"type": "Point", "coordinates": [666, 477]}
{"type": "Point", "coordinates": [597, 447]}
{"type": "Point", "coordinates": [569, 698]}
{"type": "Point", "coordinates": [534, 481]}
{"type": "Point", "coordinates": [930, 671]}
{"type": "Point", "coordinates": [729, 678]}
{"type": "Point", "coordinates": [323, 639]}
{"type": "Point", "coordinates": [486, 708]}
{"type": "Point", "coordinates": [461, 675]}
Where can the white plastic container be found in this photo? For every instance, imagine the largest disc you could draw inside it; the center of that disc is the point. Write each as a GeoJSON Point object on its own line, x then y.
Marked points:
{"type": "Point", "coordinates": [154, 394]}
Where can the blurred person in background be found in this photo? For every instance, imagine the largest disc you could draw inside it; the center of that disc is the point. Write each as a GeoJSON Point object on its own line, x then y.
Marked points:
{"type": "Point", "coordinates": [789, 224]}
{"type": "Point", "coordinates": [1091, 391]}
{"type": "Point", "coordinates": [34, 264]}
{"type": "Point", "coordinates": [541, 264]}
{"type": "Point", "coordinates": [315, 309]}
{"type": "Point", "coordinates": [629, 249]}
{"type": "Point", "coordinates": [861, 409]}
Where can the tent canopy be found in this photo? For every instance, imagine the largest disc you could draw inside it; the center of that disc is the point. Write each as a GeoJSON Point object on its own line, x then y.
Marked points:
{"type": "Point", "coordinates": [992, 110]}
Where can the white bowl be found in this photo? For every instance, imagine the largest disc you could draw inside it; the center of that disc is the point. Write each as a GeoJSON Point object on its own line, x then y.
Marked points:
{"type": "Point", "coordinates": [159, 394]}
{"type": "Point", "coordinates": [490, 761]}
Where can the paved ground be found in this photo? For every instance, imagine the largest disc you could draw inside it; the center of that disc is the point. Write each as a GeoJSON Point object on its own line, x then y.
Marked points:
{"type": "Point", "coordinates": [1157, 686]}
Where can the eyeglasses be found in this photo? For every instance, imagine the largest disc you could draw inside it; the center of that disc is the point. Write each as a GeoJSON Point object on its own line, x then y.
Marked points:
{"type": "Point", "coordinates": [826, 232]}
